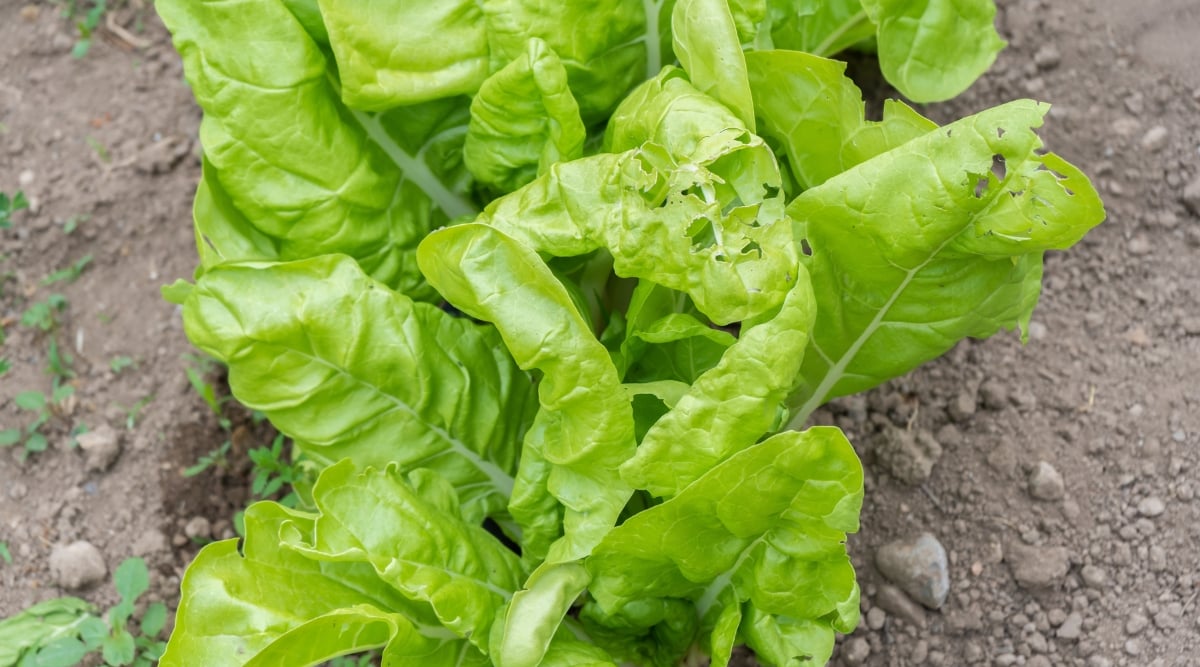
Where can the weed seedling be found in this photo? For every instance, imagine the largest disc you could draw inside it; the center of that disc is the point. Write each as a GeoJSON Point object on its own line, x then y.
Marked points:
{"type": "Point", "coordinates": [218, 458]}
{"type": "Point", "coordinates": [43, 315]}
{"type": "Point", "coordinates": [134, 412]}
{"type": "Point", "coordinates": [271, 472]}
{"type": "Point", "coordinates": [10, 205]}
{"type": "Point", "coordinates": [58, 363]}
{"type": "Point", "coordinates": [120, 363]}
{"type": "Point", "coordinates": [42, 409]}
{"type": "Point", "coordinates": [87, 26]}
{"type": "Point", "coordinates": [63, 631]}
{"type": "Point", "coordinates": [70, 274]}
{"type": "Point", "coordinates": [5, 554]}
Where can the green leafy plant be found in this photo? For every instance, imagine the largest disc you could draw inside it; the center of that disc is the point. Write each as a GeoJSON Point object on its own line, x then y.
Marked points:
{"type": "Point", "coordinates": [63, 631]}
{"type": "Point", "coordinates": [119, 363]}
{"type": "Point", "coordinates": [42, 409]}
{"type": "Point", "coordinates": [86, 22]}
{"type": "Point", "coordinates": [43, 315]}
{"type": "Point", "coordinates": [547, 307]}
{"type": "Point", "coordinates": [10, 205]}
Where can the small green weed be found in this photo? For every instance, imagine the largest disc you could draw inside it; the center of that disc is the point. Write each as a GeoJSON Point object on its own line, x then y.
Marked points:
{"type": "Point", "coordinates": [63, 631]}
{"type": "Point", "coordinates": [271, 472]}
{"type": "Point", "coordinates": [218, 458]}
{"type": "Point", "coordinates": [70, 274]}
{"type": "Point", "coordinates": [5, 554]}
{"type": "Point", "coordinates": [86, 24]}
{"type": "Point", "coordinates": [10, 205]}
{"type": "Point", "coordinates": [134, 412]}
{"type": "Point", "coordinates": [42, 408]}
{"type": "Point", "coordinates": [120, 363]}
{"type": "Point", "coordinates": [43, 315]}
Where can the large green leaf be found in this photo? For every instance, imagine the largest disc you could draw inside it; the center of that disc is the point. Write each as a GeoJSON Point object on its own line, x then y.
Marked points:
{"type": "Point", "coordinates": [732, 405]}
{"type": "Point", "coordinates": [926, 244]}
{"type": "Point", "coordinates": [932, 50]}
{"type": "Point", "coordinates": [523, 120]}
{"type": "Point", "coordinates": [25, 633]}
{"type": "Point", "coordinates": [274, 606]}
{"type": "Point", "coordinates": [412, 534]}
{"type": "Point", "coordinates": [706, 41]}
{"type": "Point", "coordinates": [767, 526]}
{"type": "Point", "coordinates": [303, 170]}
{"type": "Point", "coordinates": [820, 27]}
{"type": "Point", "coordinates": [584, 429]}
{"type": "Point", "coordinates": [350, 368]}
{"type": "Point", "coordinates": [815, 112]}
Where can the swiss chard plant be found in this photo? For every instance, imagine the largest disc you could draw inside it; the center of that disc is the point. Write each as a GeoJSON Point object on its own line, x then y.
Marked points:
{"type": "Point", "coordinates": [549, 292]}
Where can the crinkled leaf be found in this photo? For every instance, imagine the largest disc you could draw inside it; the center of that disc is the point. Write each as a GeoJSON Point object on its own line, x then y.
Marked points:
{"type": "Point", "coordinates": [820, 27]}
{"type": "Point", "coordinates": [704, 216]}
{"type": "Point", "coordinates": [816, 113]}
{"type": "Point", "coordinates": [649, 632]}
{"type": "Point", "coordinates": [677, 347]}
{"type": "Point", "coordinates": [778, 640]}
{"type": "Point", "coordinates": [276, 606]}
{"type": "Point", "coordinates": [533, 620]}
{"type": "Point", "coordinates": [295, 168]}
{"type": "Point", "coordinates": [730, 406]}
{"type": "Point", "coordinates": [706, 42]}
{"type": "Point", "coordinates": [767, 525]}
{"type": "Point", "coordinates": [584, 429]}
{"type": "Point", "coordinates": [393, 54]}
{"type": "Point", "coordinates": [412, 535]}
{"type": "Point", "coordinates": [932, 50]}
{"type": "Point", "coordinates": [349, 368]}
{"type": "Point", "coordinates": [924, 245]}
{"type": "Point", "coordinates": [523, 120]}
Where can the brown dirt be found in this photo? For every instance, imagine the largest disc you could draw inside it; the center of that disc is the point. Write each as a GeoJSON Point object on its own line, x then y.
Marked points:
{"type": "Point", "coordinates": [1105, 392]}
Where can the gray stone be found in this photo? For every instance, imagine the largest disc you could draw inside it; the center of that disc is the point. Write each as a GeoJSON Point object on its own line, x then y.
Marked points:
{"type": "Point", "coordinates": [1037, 566]}
{"type": "Point", "coordinates": [1191, 196]}
{"type": "Point", "coordinates": [1135, 624]}
{"type": "Point", "coordinates": [855, 651]}
{"type": "Point", "coordinates": [918, 566]}
{"type": "Point", "coordinates": [1047, 57]}
{"type": "Point", "coordinates": [1045, 483]}
{"type": "Point", "coordinates": [1072, 627]}
{"type": "Point", "coordinates": [895, 602]}
{"type": "Point", "coordinates": [1094, 577]}
{"type": "Point", "coordinates": [1151, 507]}
{"type": "Point", "coordinates": [876, 618]}
{"type": "Point", "coordinates": [198, 528]}
{"type": "Point", "coordinates": [909, 456]}
{"type": "Point", "coordinates": [1156, 139]}
{"type": "Point", "coordinates": [77, 565]}
{"type": "Point", "coordinates": [101, 447]}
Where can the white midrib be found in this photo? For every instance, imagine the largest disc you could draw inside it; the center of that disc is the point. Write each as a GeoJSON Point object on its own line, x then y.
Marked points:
{"type": "Point", "coordinates": [452, 204]}
{"type": "Point", "coordinates": [838, 370]}
{"type": "Point", "coordinates": [652, 8]}
{"type": "Point", "coordinates": [708, 598]}
{"type": "Point", "coordinates": [501, 480]}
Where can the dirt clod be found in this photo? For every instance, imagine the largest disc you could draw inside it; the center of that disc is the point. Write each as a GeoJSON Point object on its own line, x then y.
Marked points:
{"type": "Point", "coordinates": [101, 447]}
{"type": "Point", "coordinates": [1045, 482]}
{"type": "Point", "coordinates": [1037, 566]}
{"type": "Point", "coordinates": [909, 456]}
{"type": "Point", "coordinates": [77, 565]}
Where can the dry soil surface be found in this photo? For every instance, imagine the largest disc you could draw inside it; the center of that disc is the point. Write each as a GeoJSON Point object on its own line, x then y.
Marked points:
{"type": "Point", "coordinates": [1059, 477]}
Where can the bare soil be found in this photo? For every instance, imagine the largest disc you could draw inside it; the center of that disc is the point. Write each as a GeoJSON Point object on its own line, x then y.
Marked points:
{"type": "Point", "coordinates": [1105, 392]}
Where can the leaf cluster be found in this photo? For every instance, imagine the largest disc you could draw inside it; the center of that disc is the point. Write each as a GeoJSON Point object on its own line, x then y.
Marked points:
{"type": "Point", "coordinates": [546, 291]}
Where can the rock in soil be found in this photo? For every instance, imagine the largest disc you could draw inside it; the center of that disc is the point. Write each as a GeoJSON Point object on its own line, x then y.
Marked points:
{"type": "Point", "coordinates": [77, 565]}
{"type": "Point", "coordinates": [101, 447]}
{"type": "Point", "coordinates": [918, 566]}
{"type": "Point", "coordinates": [895, 602]}
{"type": "Point", "coordinates": [1037, 566]}
{"type": "Point", "coordinates": [856, 651]}
{"type": "Point", "coordinates": [1191, 196]}
{"type": "Point", "coordinates": [908, 455]}
{"type": "Point", "coordinates": [1045, 483]}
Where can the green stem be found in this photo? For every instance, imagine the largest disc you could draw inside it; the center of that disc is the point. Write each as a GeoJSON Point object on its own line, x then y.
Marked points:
{"type": "Point", "coordinates": [826, 47]}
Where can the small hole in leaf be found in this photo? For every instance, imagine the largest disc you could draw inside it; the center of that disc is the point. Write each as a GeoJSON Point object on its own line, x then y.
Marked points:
{"type": "Point", "coordinates": [999, 167]}
{"type": "Point", "coordinates": [1000, 132]}
{"type": "Point", "coordinates": [770, 191]}
{"type": "Point", "coordinates": [981, 187]}
{"type": "Point", "coordinates": [805, 248]}
{"type": "Point", "coordinates": [702, 233]}
{"type": "Point", "coordinates": [752, 248]}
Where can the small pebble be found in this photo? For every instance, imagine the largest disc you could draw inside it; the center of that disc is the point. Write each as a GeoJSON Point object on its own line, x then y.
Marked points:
{"type": "Point", "coordinates": [895, 602]}
{"type": "Point", "coordinates": [1133, 647]}
{"type": "Point", "coordinates": [1156, 139]}
{"type": "Point", "coordinates": [1037, 566]}
{"type": "Point", "coordinates": [876, 618]}
{"type": "Point", "coordinates": [1045, 483]}
{"type": "Point", "coordinates": [1191, 196]}
{"type": "Point", "coordinates": [918, 566]}
{"type": "Point", "coordinates": [1047, 57]}
{"type": "Point", "coordinates": [855, 651]}
{"type": "Point", "coordinates": [1094, 577]}
{"type": "Point", "coordinates": [198, 528]}
{"type": "Point", "coordinates": [1151, 507]}
{"type": "Point", "coordinates": [1072, 627]}
{"type": "Point", "coordinates": [77, 565]}
{"type": "Point", "coordinates": [25, 178]}
{"type": "Point", "coordinates": [1135, 624]}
